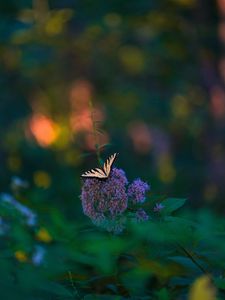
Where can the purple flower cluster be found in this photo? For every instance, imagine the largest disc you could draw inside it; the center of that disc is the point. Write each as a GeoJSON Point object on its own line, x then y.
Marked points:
{"type": "Point", "coordinates": [141, 215]}
{"type": "Point", "coordinates": [137, 190]}
{"type": "Point", "coordinates": [106, 201]}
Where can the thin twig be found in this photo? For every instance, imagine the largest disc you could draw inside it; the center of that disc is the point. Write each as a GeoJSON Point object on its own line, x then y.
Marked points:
{"type": "Point", "coordinates": [73, 285]}
{"type": "Point", "coordinates": [189, 255]}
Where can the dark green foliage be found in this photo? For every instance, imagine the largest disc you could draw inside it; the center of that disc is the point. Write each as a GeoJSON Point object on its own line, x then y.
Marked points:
{"type": "Point", "coordinates": [79, 81]}
{"type": "Point", "coordinates": [156, 259]}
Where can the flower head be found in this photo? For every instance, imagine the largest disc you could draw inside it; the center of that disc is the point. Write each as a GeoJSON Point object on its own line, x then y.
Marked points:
{"type": "Point", "coordinates": [17, 183]}
{"type": "Point", "coordinates": [105, 200]}
{"type": "Point", "coordinates": [38, 255]}
{"type": "Point", "coordinates": [141, 215]}
{"type": "Point", "coordinates": [137, 190]}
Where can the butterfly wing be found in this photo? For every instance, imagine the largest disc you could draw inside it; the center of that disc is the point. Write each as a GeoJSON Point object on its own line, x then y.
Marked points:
{"type": "Point", "coordinates": [101, 173]}
{"type": "Point", "coordinates": [108, 164]}
{"type": "Point", "coordinates": [95, 173]}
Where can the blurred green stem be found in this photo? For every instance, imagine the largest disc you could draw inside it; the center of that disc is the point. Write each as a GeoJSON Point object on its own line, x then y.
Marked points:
{"type": "Point", "coordinates": [97, 149]}
{"type": "Point", "coordinates": [73, 285]}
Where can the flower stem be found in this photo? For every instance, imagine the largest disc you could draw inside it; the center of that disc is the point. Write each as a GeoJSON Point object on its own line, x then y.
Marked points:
{"type": "Point", "coordinates": [73, 286]}
{"type": "Point", "coordinates": [97, 148]}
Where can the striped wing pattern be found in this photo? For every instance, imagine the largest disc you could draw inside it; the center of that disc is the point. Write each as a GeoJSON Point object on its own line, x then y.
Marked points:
{"type": "Point", "coordinates": [101, 173]}
{"type": "Point", "coordinates": [108, 164]}
{"type": "Point", "coordinates": [94, 173]}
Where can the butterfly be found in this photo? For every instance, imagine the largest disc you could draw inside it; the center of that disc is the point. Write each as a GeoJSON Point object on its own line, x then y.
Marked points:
{"type": "Point", "coordinates": [101, 173]}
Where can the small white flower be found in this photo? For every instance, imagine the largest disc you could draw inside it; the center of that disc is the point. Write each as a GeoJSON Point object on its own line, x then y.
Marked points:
{"type": "Point", "coordinates": [17, 182]}
{"type": "Point", "coordinates": [31, 217]}
{"type": "Point", "coordinates": [38, 255]}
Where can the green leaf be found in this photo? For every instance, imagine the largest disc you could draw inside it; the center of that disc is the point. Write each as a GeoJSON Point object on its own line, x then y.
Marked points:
{"type": "Point", "coordinates": [172, 204]}
{"type": "Point", "coordinates": [57, 289]}
{"type": "Point", "coordinates": [185, 262]}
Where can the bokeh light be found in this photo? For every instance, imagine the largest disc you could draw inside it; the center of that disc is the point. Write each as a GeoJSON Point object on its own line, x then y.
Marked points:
{"type": "Point", "coordinates": [43, 129]}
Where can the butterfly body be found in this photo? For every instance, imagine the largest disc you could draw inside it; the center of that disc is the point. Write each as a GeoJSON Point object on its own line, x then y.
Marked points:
{"type": "Point", "coordinates": [101, 173]}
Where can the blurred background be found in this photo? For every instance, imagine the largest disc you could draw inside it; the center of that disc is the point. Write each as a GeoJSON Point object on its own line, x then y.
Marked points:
{"type": "Point", "coordinates": [150, 74]}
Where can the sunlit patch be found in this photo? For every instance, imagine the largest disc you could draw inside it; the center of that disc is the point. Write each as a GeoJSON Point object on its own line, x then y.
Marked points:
{"type": "Point", "coordinates": [202, 288]}
{"type": "Point", "coordinates": [21, 256]}
{"type": "Point", "coordinates": [44, 129]}
{"type": "Point", "coordinates": [42, 179]}
{"type": "Point", "coordinates": [43, 235]}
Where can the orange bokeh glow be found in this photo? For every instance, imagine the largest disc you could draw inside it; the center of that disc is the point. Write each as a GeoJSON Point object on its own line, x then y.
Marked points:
{"type": "Point", "coordinates": [80, 94]}
{"type": "Point", "coordinates": [43, 129]}
{"type": "Point", "coordinates": [221, 5]}
{"type": "Point", "coordinates": [80, 97]}
{"type": "Point", "coordinates": [83, 116]}
{"type": "Point", "coordinates": [82, 121]}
